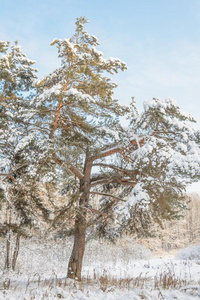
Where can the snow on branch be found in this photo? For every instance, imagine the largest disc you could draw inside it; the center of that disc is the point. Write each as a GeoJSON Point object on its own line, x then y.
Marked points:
{"type": "Point", "coordinates": [117, 149]}
{"type": "Point", "coordinates": [108, 195]}
{"type": "Point", "coordinates": [73, 169]}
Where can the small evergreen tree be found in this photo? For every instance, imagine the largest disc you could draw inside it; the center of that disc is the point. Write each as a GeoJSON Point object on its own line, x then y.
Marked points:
{"type": "Point", "coordinates": [16, 84]}
{"type": "Point", "coordinates": [19, 200]}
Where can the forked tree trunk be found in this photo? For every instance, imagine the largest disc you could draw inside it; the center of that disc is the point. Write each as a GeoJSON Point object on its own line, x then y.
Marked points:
{"type": "Point", "coordinates": [76, 259]}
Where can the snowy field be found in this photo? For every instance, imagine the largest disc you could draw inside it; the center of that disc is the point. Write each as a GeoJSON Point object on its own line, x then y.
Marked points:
{"type": "Point", "coordinates": [110, 272]}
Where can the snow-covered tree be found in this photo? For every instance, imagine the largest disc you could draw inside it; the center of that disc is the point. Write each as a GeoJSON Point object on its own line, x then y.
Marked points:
{"type": "Point", "coordinates": [134, 171]}
{"type": "Point", "coordinates": [18, 197]}
{"type": "Point", "coordinates": [165, 161]}
{"type": "Point", "coordinates": [16, 84]}
{"type": "Point", "coordinates": [77, 115]}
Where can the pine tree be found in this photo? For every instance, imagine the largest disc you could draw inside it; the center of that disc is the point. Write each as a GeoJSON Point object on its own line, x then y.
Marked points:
{"type": "Point", "coordinates": [19, 198]}
{"type": "Point", "coordinates": [16, 82]}
{"type": "Point", "coordinates": [165, 161]}
{"type": "Point", "coordinates": [139, 171]}
{"type": "Point", "coordinates": [77, 116]}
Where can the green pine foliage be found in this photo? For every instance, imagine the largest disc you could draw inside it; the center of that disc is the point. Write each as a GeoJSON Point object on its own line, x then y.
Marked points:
{"type": "Point", "coordinates": [19, 194]}
{"type": "Point", "coordinates": [75, 101]}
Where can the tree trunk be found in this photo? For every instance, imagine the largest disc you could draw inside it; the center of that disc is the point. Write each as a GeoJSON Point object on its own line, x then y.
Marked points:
{"type": "Point", "coordinates": [16, 252]}
{"type": "Point", "coordinates": [7, 261]}
{"type": "Point", "coordinates": [8, 240]}
{"type": "Point", "coordinates": [75, 262]}
{"type": "Point", "coordinates": [76, 259]}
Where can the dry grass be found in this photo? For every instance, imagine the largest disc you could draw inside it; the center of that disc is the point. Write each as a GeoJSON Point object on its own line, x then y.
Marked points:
{"type": "Point", "coordinates": [95, 279]}
{"type": "Point", "coordinates": [164, 281]}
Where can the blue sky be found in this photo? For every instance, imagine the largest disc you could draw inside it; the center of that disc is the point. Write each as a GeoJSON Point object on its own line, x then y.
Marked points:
{"type": "Point", "coordinates": [158, 39]}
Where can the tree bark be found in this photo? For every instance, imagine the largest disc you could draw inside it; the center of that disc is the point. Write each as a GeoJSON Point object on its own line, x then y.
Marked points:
{"type": "Point", "coordinates": [76, 259]}
{"type": "Point", "coordinates": [16, 251]}
{"type": "Point", "coordinates": [8, 240]}
{"type": "Point", "coordinates": [7, 262]}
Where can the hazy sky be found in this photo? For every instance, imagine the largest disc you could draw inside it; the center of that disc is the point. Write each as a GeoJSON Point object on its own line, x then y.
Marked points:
{"type": "Point", "coordinates": [159, 40]}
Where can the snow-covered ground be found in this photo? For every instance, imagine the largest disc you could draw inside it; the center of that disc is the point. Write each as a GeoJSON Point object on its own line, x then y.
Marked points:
{"type": "Point", "coordinates": [94, 293]}
{"type": "Point", "coordinates": [110, 272]}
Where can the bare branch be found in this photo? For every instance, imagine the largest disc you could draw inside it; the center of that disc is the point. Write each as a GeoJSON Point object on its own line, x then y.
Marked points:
{"type": "Point", "coordinates": [7, 175]}
{"type": "Point", "coordinates": [95, 211]}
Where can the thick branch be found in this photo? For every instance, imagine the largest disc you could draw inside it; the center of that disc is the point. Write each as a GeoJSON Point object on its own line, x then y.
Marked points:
{"type": "Point", "coordinates": [57, 116]}
{"type": "Point", "coordinates": [74, 170]}
{"type": "Point", "coordinates": [125, 171]}
{"type": "Point", "coordinates": [115, 149]}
